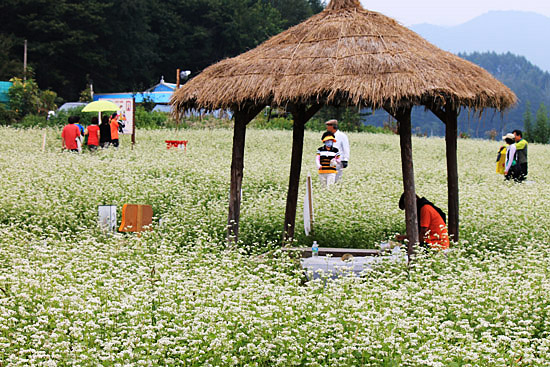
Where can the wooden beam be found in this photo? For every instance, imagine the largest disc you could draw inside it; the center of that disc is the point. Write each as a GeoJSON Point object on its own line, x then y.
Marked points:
{"type": "Point", "coordinates": [449, 116]}
{"type": "Point", "coordinates": [300, 116]}
{"type": "Point", "coordinates": [242, 117]}
{"type": "Point", "coordinates": [403, 116]}
{"type": "Point", "coordinates": [451, 127]}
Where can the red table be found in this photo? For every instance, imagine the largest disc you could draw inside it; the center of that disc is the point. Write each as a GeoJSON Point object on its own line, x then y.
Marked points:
{"type": "Point", "coordinates": [176, 144]}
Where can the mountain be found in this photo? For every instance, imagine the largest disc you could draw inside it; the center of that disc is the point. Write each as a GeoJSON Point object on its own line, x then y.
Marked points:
{"type": "Point", "coordinates": [529, 82]}
{"type": "Point", "coordinates": [521, 33]}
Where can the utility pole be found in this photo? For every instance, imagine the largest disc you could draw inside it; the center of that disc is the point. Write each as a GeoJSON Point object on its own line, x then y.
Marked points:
{"type": "Point", "coordinates": [177, 87]}
{"type": "Point", "coordinates": [25, 61]}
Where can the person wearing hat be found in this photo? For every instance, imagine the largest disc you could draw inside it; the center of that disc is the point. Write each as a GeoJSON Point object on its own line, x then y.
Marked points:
{"type": "Point", "coordinates": [511, 167]}
{"type": "Point", "coordinates": [342, 144]}
{"type": "Point", "coordinates": [432, 227]}
{"type": "Point", "coordinates": [326, 160]}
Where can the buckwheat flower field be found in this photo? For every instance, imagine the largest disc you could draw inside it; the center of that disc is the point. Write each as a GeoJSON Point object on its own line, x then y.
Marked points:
{"type": "Point", "coordinates": [71, 295]}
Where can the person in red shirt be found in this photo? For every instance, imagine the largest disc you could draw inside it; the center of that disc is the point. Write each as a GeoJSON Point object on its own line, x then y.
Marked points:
{"type": "Point", "coordinates": [93, 134]}
{"type": "Point", "coordinates": [114, 130]}
{"type": "Point", "coordinates": [70, 133]}
{"type": "Point", "coordinates": [432, 229]}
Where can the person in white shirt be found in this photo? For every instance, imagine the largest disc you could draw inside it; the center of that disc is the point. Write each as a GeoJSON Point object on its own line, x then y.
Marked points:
{"type": "Point", "coordinates": [511, 168]}
{"type": "Point", "coordinates": [342, 144]}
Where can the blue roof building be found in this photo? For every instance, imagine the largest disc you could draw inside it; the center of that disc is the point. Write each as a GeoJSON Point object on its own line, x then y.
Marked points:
{"type": "Point", "coordinates": [159, 94]}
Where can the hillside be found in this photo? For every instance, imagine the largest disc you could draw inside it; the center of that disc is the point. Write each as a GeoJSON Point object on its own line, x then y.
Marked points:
{"type": "Point", "coordinates": [528, 81]}
{"type": "Point", "coordinates": [521, 33]}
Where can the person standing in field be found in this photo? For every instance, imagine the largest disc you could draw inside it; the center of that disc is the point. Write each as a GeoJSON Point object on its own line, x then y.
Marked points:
{"type": "Point", "coordinates": [511, 168]}
{"type": "Point", "coordinates": [104, 132]}
{"type": "Point", "coordinates": [326, 160]}
{"type": "Point", "coordinates": [114, 129]}
{"type": "Point", "coordinates": [92, 132]}
{"type": "Point", "coordinates": [342, 144]}
{"type": "Point", "coordinates": [501, 157]}
{"type": "Point", "coordinates": [70, 134]}
{"type": "Point", "coordinates": [432, 227]}
{"type": "Point", "coordinates": [521, 149]}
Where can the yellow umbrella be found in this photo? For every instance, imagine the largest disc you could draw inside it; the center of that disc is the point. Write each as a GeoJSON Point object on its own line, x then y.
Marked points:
{"type": "Point", "coordinates": [100, 106]}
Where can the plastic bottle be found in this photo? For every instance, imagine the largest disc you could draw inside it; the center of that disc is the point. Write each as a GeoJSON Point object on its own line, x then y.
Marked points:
{"type": "Point", "coordinates": [314, 249]}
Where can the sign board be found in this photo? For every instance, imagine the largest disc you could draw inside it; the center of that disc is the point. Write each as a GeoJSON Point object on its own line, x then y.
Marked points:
{"type": "Point", "coordinates": [136, 218]}
{"type": "Point", "coordinates": [125, 113]}
{"type": "Point", "coordinates": [308, 207]}
{"type": "Point", "coordinates": [107, 217]}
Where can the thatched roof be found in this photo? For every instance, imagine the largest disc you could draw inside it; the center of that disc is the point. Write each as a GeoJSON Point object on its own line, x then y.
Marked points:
{"type": "Point", "coordinates": [345, 55]}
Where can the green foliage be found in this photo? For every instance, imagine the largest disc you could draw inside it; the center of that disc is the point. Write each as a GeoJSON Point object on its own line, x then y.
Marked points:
{"type": "Point", "coordinates": [85, 95]}
{"type": "Point", "coordinates": [150, 120]}
{"type": "Point", "coordinates": [541, 131]}
{"type": "Point", "coordinates": [277, 123]}
{"type": "Point", "coordinates": [148, 103]}
{"type": "Point", "coordinates": [27, 99]}
{"type": "Point", "coordinates": [349, 118]}
{"type": "Point", "coordinates": [528, 82]}
{"type": "Point", "coordinates": [9, 66]}
{"type": "Point", "coordinates": [7, 116]}
{"type": "Point", "coordinates": [24, 97]}
{"type": "Point", "coordinates": [126, 45]}
{"type": "Point", "coordinates": [293, 12]}
{"type": "Point", "coordinates": [48, 100]}
{"type": "Point", "coordinates": [528, 123]}
{"type": "Point", "coordinates": [32, 121]}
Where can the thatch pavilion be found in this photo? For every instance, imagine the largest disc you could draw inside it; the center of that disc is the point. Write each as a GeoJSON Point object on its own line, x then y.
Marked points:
{"type": "Point", "coordinates": [345, 56]}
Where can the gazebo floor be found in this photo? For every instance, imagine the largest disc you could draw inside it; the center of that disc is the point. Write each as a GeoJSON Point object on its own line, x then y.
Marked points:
{"type": "Point", "coordinates": [335, 252]}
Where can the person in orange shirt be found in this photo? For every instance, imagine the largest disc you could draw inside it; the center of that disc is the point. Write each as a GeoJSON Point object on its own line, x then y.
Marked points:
{"type": "Point", "coordinates": [70, 133]}
{"type": "Point", "coordinates": [93, 134]}
{"type": "Point", "coordinates": [432, 227]}
{"type": "Point", "coordinates": [114, 130]}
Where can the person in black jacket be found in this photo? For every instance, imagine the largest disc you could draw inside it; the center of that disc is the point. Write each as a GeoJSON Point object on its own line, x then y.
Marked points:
{"type": "Point", "coordinates": [104, 132]}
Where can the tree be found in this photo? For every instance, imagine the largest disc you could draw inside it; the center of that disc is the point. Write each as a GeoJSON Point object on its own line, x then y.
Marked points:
{"type": "Point", "coordinates": [64, 40]}
{"type": "Point", "coordinates": [528, 122]}
{"type": "Point", "coordinates": [24, 97]}
{"type": "Point", "coordinates": [9, 67]}
{"type": "Point", "coordinates": [293, 12]}
{"type": "Point", "coordinates": [541, 131]}
{"type": "Point", "coordinates": [195, 34]}
{"type": "Point", "coordinates": [126, 45]}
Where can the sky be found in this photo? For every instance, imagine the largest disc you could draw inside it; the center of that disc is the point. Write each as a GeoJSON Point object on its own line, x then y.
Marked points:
{"type": "Point", "coordinates": [410, 12]}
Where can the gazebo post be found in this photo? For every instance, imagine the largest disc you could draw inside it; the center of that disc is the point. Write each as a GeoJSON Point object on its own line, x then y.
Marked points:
{"type": "Point", "coordinates": [452, 170]}
{"type": "Point", "coordinates": [403, 115]}
{"type": "Point", "coordinates": [300, 116]}
{"type": "Point", "coordinates": [449, 116]}
{"type": "Point", "coordinates": [242, 117]}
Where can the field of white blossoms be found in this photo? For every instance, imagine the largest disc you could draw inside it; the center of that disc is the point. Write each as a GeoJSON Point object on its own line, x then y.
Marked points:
{"type": "Point", "coordinates": [71, 295]}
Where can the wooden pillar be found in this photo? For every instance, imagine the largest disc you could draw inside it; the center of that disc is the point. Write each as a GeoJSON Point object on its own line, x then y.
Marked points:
{"type": "Point", "coordinates": [449, 116]}
{"type": "Point", "coordinates": [452, 170]}
{"type": "Point", "coordinates": [242, 118]}
{"type": "Point", "coordinates": [300, 116]}
{"type": "Point", "coordinates": [403, 116]}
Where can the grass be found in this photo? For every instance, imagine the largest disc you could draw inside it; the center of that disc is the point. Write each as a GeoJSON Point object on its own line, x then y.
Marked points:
{"type": "Point", "coordinates": [73, 295]}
